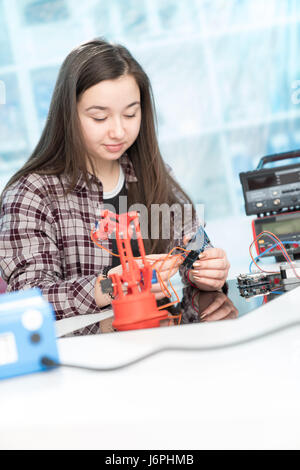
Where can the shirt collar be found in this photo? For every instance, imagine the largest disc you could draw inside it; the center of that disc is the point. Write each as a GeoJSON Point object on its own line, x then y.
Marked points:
{"type": "Point", "coordinates": [128, 169]}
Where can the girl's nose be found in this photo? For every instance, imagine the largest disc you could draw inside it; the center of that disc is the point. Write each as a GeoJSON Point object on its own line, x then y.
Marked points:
{"type": "Point", "coordinates": [116, 130]}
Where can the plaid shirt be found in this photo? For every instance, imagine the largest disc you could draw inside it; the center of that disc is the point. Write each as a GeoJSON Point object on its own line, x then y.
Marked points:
{"type": "Point", "coordinates": [45, 241]}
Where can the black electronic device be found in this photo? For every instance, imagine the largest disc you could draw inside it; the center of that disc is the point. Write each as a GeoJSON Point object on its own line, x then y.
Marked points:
{"type": "Point", "coordinates": [266, 283]}
{"type": "Point", "coordinates": [268, 190]}
{"type": "Point", "coordinates": [196, 245]}
{"type": "Point", "coordinates": [256, 284]}
{"type": "Point", "coordinates": [273, 194]}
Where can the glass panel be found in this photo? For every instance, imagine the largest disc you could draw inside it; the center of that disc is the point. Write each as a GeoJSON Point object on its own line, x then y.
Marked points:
{"type": "Point", "coordinates": [204, 182]}
{"type": "Point", "coordinates": [12, 125]}
{"type": "Point", "coordinates": [5, 48]}
{"type": "Point", "coordinates": [43, 82]}
{"type": "Point", "coordinates": [44, 11]}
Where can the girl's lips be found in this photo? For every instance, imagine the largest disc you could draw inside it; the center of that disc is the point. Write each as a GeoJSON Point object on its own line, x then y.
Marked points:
{"type": "Point", "coordinates": [113, 148]}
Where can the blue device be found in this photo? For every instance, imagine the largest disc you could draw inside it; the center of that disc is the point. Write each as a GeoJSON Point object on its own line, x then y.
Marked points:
{"type": "Point", "coordinates": [27, 333]}
{"type": "Point", "coordinates": [196, 245]}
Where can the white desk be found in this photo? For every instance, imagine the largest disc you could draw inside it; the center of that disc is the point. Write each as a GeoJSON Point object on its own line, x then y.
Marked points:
{"type": "Point", "coordinates": [244, 397]}
{"type": "Point", "coordinates": [68, 325]}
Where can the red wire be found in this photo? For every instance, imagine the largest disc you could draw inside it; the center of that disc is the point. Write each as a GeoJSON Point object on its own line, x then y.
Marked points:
{"type": "Point", "coordinates": [188, 278]}
{"type": "Point", "coordinates": [281, 247]}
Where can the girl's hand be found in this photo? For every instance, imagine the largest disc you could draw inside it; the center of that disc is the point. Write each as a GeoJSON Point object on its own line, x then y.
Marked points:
{"type": "Point", "coordinates": [220, 308]}
{"type": "Point", "coordinates": [210, 271]}
{"type": "Point", "coordinates": [165, 267]}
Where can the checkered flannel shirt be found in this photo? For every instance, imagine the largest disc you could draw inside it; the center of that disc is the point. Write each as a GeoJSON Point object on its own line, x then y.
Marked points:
{"type": "Point", "coordinates": [45, 242]}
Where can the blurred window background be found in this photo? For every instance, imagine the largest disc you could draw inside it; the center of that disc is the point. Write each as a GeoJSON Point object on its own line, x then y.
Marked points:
{"type": "Point", "coordinates": [224, 75]}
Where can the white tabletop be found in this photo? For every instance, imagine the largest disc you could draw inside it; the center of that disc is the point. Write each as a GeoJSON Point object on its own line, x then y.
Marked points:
{"type": "Point", "coordinates": [243, 397]}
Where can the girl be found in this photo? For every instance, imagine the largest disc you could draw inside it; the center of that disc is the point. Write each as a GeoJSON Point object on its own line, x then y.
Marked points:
{"type": "Point", "coordinates": [99, 143]}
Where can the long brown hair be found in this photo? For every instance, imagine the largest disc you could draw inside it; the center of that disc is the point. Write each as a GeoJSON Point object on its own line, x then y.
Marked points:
{"type": "Point", "coordinates": [61, 145]}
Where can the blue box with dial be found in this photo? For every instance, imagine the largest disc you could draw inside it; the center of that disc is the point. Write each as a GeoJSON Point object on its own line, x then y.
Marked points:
{"type": "Point", "coordinates": [27, 333]}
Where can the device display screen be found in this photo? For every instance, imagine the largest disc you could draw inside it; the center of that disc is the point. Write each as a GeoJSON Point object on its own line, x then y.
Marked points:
{"type": "Point", "coordinates": [283, 227]}
{"type": "Point", "coordinates": [275, 179]}
{"type": "Point", "coordinates": [260, 182]}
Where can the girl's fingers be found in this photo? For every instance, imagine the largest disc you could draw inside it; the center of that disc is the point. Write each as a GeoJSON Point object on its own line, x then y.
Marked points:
{"type": "Point", "coordinates": [159, 295]}
{"type": "Point", "coordinates": [216, 263]}
{"type": "Point", "coordinates": [220, 313]}
{"type": "Point", "coordinates": [163, 262]}
{"type": "Point", "coordinates": [165, 275]}
{"type": "Point", "coordinates": [211, 253]}
{"type": "Point", "coordinates": [228, 312]}
{"type": "Point", "coordinates": [208, 274]}
{"type": "Point", "coordinates": [214, 306]}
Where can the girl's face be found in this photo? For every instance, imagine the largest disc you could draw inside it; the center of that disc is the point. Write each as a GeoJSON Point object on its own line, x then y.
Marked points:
{"type": "Point", "coordinates": [110, 116]}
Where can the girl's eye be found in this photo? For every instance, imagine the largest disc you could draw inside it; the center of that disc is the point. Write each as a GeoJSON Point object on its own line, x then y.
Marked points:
{"type": "Point", "coordinates": [103, 119]}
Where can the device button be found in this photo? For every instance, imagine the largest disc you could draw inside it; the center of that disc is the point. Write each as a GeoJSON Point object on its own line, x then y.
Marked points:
{"type": "Point", "coordinates": [35, 338]}
{"type": "Point", "coordinates": [295, 245]}
{"type": "Point", "coordinates": [32, 319]}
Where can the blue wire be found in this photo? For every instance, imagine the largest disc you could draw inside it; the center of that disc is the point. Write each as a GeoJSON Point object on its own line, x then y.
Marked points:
{"type": "Point", "coordinates": [269, 249]}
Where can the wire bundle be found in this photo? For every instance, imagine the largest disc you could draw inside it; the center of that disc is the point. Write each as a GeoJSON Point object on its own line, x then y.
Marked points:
{"type": "Point", "coordinates": [279, 244]}
{"type": "Point", "coordinates": [178, 260]}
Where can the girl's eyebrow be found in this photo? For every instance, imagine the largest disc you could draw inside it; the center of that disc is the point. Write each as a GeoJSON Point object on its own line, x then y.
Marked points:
{"type": "Point", "coordinates": [103, 108]}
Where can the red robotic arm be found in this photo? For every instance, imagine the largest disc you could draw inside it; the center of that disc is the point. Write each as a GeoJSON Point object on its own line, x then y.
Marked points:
{"type": "Point", "coordinates": [135, 306]}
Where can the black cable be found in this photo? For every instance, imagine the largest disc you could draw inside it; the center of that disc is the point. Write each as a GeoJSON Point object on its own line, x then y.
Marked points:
{"type": "Point", "coordinates": [48, 362]}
